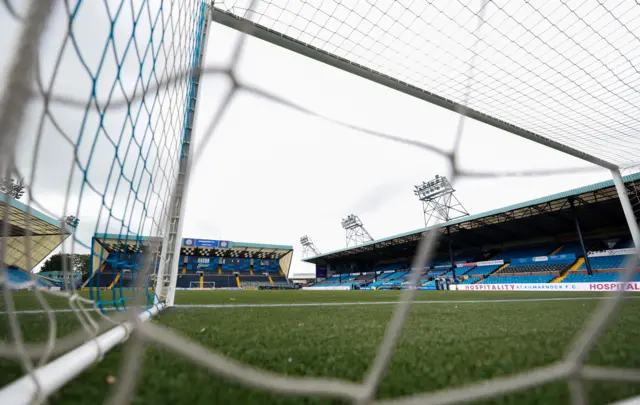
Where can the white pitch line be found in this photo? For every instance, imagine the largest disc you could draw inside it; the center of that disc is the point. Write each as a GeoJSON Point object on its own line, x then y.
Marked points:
{"type": "Point", "coordinates": [334, 304]}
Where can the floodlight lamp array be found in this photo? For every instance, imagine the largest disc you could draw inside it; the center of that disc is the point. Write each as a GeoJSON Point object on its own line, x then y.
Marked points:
{"type": "Point", "coordinates": [351, 222]}
{"type": "Point", "coordinates": [304, 240]}
{"type": "Point", "coordinates": [432, 188]}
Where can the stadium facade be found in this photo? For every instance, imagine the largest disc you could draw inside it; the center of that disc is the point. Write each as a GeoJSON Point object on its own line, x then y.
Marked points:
{"type": "Point", "coordinates": [553, 242]}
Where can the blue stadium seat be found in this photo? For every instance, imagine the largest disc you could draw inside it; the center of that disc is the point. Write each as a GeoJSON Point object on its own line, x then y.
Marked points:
{"type": "Point", "coordinates": [605, 262]}
{"type": "Point", "coordinates": [395, 275]}
{"type": "Point", "coordinates": [517, 279]}
{"type": "Point", "coordinates": [236, 264]}
{"type": "Point", "coordinates": [470, 280]}
{"type": "Point", "coordinates": [18, 276]}
{"type": "Point", "coordinates": [600, 277]}
{"type": "Point", "coordinates": [265, 266]}
{"type": "Point", "coordinates": [482, 270]}
{"type": "Point", "coordinates": [431, 285]}
{"type": "Point", "coordinates": [541, 267]}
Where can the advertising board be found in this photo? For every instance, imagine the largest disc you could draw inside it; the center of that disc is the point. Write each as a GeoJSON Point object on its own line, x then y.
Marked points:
{"type": "Point", "coordinates": [335, 288]}
{"type": "Point", "coordinates": [609, 286]}
{"type": "Point", "coordinates": [612, 252]}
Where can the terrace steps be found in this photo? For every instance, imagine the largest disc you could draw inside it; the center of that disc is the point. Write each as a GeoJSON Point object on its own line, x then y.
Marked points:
{"type": "Point", "coordinates": [556, 250]}
{"type": "Point", "coordinates": [499, 269]}
{"type": "Point", "coordinates": [115, 280]}
{"type": "Point", "coordinates": [201, 280]}
{"type": "Point", "coordinates": [574, 266]}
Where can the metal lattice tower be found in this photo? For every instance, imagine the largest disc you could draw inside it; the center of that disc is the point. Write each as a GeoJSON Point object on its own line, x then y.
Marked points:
{"type": "Point", "coordinates": [309, 249]}
{"type": "Point", "coordinates": [356, 234]}
{"type": "Point", "coordinates": [439, 204]}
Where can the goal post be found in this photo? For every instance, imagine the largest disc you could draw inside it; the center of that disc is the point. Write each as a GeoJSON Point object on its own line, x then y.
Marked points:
{"type": "Point", "coordinates": [102, 111]}
{"type": "Point", "coordinates": [168, 272]}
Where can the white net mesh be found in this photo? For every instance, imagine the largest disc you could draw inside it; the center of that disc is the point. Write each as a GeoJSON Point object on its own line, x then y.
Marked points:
{"type": "Point", "coordinates": [563, 71]}
{"type": "Point", "coordinates": [549, 71]}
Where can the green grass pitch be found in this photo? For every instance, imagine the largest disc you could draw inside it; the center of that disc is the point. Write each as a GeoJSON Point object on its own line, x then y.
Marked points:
{"type": "Point", "coordinates": [444, 344]}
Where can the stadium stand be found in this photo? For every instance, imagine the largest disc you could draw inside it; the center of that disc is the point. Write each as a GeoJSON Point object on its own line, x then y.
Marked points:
{"type": "Point", "coordinates": [254, 279]}
{"type": "Point", "coordinates": [515, 253]}
{"type": "Point", "coordinates": [186, 280]}
{"type": "Point", "coordinates": [605, 262]}
{"type": "Point", "coordinates": [20, 278]}
{"type": "Point", "coordinates": [517, 279]}
{"type": "Point", "coordinates": [537, 268]}
{"type": "Point", "coordinates": [62, 280]}
{"type": "Point", "coordinates": [221, 281]}
{"type": "Point", "coordinates": [599, 277]}
{"type": "Point", "coordinates": [575, 247]}
{"type": "Point", "coordinates": [395, 275]}
{"type": "Point", "coordinates": [118, 260]}
{"type": "Point", "coordinates": [537, 241]}
{"type": "Point", "coordinates": [482, 270]}
{"type": "Point", "coordinates": [464, 258]}
{"type": "Point", "coordinates": [45, 234]}
{"type": "Point", "coordinates": [269, 266]}
{"type": "Point", "coordinates": [624, 243]}
{"type": "Point", "coordinates": [103, 279]}
{"type": "Point", "coordinates": [388, 267]}
{"type": "Point", "coordinates": [363, 278]}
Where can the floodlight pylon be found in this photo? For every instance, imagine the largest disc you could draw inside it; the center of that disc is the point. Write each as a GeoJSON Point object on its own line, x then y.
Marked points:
{"type": "Point", "coordinates": [309, 249]}
{"type": "Point", "coordinates": [356, 234]}
{"type": "Point", "coordinates": [439, 203]}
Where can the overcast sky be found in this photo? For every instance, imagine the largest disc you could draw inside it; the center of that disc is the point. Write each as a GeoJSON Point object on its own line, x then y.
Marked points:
{"type": "Point", "coordinates": [271, 174]}
{"type": "Point", "coordinates": [268, 173]}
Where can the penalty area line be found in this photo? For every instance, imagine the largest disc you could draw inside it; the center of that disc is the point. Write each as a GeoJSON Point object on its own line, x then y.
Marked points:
{"type": "Point", "coordinates": [335, 304]}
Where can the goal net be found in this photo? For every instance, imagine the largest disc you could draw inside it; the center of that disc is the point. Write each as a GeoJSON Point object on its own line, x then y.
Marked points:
{"type": "Point", "coordinates": [97, 123]}
{"type": "Point", "coordinates": [204, 285]}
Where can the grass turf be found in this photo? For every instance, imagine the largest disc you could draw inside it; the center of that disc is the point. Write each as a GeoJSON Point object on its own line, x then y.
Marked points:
{"type": "Point", "coordinates": [442, 345]}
